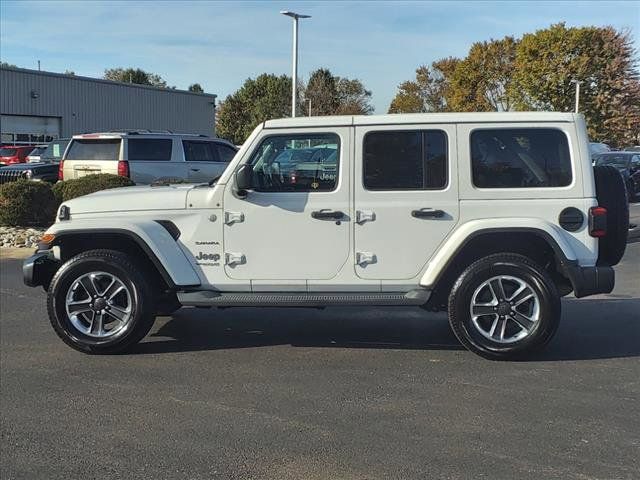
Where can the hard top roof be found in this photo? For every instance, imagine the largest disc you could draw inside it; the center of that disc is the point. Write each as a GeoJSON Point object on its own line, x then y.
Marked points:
{"type": "Point", "coordinates": [412, 118]}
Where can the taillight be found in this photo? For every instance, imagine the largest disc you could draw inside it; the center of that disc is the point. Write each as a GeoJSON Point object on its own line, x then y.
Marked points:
{"type": "Point", "coordinates": [123, 168]}
{"type": "Point", "coordinates": [597, 222]}
{"type": "Point", "coordinates": [61, 170]}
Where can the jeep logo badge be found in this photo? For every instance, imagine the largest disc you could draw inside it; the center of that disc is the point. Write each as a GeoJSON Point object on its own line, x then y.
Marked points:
{"type": "Point", "coordinates": [208, 256]}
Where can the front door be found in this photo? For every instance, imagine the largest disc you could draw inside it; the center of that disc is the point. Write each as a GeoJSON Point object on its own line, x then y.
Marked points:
{"type": "Point", "coordinates": [406, 197]}
{"type": "Point", "coordinates": [293, 224]}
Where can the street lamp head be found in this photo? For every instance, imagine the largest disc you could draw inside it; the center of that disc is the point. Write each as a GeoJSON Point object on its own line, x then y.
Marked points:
{"type": "Point", "coordinates": [294, 14]}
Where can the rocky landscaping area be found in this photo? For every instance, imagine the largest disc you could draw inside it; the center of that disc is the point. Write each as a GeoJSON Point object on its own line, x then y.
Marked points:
{"type": "Point", "coordinates": [19, 237]}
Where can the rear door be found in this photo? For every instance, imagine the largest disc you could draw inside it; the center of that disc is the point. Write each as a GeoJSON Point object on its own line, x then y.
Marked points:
{"type": "Point", "coordinates": [153, 159]}
{"type": "Point", "coordinates": [86, 156]}
{"type": "Point", "coordinates": [406, 197]}
{"type": "Point", "coordinates": [203, 160]}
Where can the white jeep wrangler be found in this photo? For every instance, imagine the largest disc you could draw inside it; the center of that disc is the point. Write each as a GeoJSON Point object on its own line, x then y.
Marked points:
{"type": "Point", "coordinates": [491, 216]}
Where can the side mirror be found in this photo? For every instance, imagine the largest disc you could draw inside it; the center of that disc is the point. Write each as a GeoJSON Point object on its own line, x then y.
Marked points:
{"type": "Point", "coordinates": [244, 176]}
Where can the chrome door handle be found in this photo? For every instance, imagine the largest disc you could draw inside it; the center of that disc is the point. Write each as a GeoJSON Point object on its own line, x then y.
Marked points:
{"type": "Point", "coordinates": [427, 213]}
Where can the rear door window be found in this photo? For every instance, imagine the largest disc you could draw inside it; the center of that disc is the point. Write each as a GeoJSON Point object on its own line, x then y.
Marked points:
{"type": "Point", "coordinates": [199, 151]}
{"type": "Point", "coordinates": [226, 153]}
{"type": "Point", "coordinates": [405, 160]}
{"type": "Point", "coordinates": [520, 158]}
{"type": "Point", "coordinates": [104, 149]}
{"type": "Point", "coordinates": [150, 149]}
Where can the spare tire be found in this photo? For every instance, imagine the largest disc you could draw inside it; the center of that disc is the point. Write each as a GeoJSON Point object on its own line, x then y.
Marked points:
{"type": "Point", "coordinates": [611, 193]}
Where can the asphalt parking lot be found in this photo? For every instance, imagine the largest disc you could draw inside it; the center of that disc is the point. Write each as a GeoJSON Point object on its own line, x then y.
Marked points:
{"type": "Point", "coordinates": [335, 394]}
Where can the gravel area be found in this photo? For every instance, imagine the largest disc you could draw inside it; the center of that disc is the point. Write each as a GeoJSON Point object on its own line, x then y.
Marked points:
{"type": "Point", "coordinates": [19, 237]}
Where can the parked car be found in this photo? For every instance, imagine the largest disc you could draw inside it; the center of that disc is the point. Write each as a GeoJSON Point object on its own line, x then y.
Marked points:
{"type": "Point", "coordinates": [147, 157]}
{"type": "Point", "coordinates": [45, 172]}
{"type": "Point", "coordinates": [492, 217]}
{"type": "Point", "coordinates": [14, 154]}
{"type": "Point", "coordinates": [595, 148]}
{"type": "Point", "coordinates": [54, 150]}
{"type": "Point", "coordinates": [628, 163]}
{"type": "Point", "coordinates": [36, 154]}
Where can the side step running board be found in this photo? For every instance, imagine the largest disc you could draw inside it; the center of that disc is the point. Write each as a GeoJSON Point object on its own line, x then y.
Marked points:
{"type": "Point", "coordinates": [209, 298]}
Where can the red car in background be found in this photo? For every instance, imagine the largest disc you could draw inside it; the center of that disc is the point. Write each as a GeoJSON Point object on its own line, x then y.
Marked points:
{"type": "Point", "coordinates": [10, 154]}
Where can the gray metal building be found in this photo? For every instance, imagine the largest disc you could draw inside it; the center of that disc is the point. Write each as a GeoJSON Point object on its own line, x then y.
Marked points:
{"type": "Point", "coordinates": [37, 106]}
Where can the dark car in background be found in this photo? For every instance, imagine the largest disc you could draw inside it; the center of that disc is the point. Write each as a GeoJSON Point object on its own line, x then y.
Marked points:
{"type": "Point", "coordinates": [36, 154]}
{"type": "Point", "coordinates": [10, 154]}
{"type": "Point", "coordinates": [44, 172]}
{"type": "Point", "coordinates": [55, 150]}
{"type": "Point", "coordinates": [628, 163]}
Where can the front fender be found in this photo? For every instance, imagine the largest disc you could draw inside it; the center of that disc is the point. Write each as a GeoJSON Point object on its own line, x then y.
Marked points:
{"type": "Point", "coordinates": [153, 238]}
{"type": "Point", "coordinates": [551, 233]}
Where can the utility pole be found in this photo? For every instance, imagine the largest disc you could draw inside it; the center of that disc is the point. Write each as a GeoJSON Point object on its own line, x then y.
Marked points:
{"type": "Point", "coordinates": [577, 100]}
{"type": "Point", "coordinates": [294, 76]}
{"type": "Point", "coordinates": [38, 65]}
{"type": "Point", "coordinates": [309, 107]}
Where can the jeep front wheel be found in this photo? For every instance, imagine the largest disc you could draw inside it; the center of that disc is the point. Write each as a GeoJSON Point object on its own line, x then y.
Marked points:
{"type": "Point", "coordinates": [503, 306]}
{"type": "Point", "coordinates": [99, 302]}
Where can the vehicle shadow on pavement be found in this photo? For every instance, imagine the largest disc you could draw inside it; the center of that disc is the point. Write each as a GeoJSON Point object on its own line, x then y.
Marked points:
{"type": "Point", "coordinates": [390, 328]}
{"type": "Point", "coordinates": [590, 329]}
{"type": "Point", "coordinates": [595, 328]}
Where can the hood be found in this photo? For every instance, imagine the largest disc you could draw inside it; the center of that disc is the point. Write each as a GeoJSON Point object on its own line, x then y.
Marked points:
{"type": "Point", "coordinates": [30, 166]}
{"type": "Point", "coordinates": [131, 199]}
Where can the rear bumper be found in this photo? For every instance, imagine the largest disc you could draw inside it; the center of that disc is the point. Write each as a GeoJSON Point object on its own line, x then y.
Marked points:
{"type": "Point", "coordinates": [39, 268]}
{"type": "Point", "coordinates": [590, 280]}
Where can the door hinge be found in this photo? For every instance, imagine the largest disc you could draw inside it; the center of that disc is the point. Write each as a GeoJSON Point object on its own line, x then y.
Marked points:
{"type": "Point", "coordinates": [363, 216]}
{"type": "Point", "coordinates": [234, 259]}
{"type": "Point", "coordinates": [233, 217]}
{"type": "Point", "coordinates": [365, 258]}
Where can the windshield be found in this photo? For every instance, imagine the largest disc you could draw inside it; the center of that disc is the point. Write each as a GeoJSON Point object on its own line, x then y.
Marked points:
{"type": "Point", "coordinates": [38, 151]}
{"type": "Point", "coordinates": [7, 152]}
{"type": "Point", "coordinates": [619, 161]}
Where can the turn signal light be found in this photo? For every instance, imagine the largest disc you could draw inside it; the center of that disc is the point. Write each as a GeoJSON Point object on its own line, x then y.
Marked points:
{"type": "Point", "coordinates": [61, 170]}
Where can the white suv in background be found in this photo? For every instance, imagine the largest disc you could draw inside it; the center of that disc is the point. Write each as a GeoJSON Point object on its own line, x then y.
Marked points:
{"type": "Point", "coordinates": [490, 216]}
{"type": "Point", "coordinates": [147, 157]}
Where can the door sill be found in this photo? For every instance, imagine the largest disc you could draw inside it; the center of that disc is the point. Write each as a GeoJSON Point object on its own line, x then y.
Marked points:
{"type": "Point", "coordinates": [210, 298]}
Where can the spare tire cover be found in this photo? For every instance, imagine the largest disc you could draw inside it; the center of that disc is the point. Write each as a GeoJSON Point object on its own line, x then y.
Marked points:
{"type": "Point", "coordinates": [611, 193]}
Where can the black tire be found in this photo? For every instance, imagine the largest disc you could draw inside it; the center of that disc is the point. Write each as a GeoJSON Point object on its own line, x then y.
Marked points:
{"type": "Point", "coordinates": [611, 193]}
{"type": "Point", "coordinates": [511, 265]}
{"type": "Point", "coordinates": [127, 271]}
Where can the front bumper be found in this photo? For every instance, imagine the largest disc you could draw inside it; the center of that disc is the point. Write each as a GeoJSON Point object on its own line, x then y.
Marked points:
{"type": "Point", "coordinates": [590, 280]}
{"type": "Point", "coordinates": [39, 268]}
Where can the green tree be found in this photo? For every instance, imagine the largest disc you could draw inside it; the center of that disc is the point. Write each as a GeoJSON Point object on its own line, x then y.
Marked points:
{"type": "Point", "coordinates": [331, 95]}
{"type": "Point", "coordinates": [321, 91]}
{"type": "Point", "coordinates": [263, 98]}
{"type": "Point", "coordinates": [195, 87]}
{"type": "Point", "coordinates": [134, 75]}
{"type": "Point", "coordinates": [482, 81]}
{"type": "Point", "coordinates": [429, 92]}
{"type": "Point", "coordinates": [601, 58]}
{"type": "Point", "coordinates": [353, 97]}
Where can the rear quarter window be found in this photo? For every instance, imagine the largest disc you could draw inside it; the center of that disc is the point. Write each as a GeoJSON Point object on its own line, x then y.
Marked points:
{"type": "Point", "coordinates": [107, 149]}
{"type": "Point", "coordinates": [150, 149]}
{"type": "Point", "coordinates": [520, 158]}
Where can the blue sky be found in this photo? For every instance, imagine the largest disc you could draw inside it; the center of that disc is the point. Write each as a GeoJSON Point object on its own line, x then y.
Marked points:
{"type": "Point", "coordinates": [220, 44]}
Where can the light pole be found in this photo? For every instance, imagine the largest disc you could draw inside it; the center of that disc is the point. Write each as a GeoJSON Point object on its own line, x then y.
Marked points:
{"type": "Point", "coordinates": [577, 82]}
{"type": "Point", "coordinates": [294, 79]}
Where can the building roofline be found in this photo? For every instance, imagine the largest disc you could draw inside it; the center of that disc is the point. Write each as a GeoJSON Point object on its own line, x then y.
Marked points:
{"type": "Point", "coordinates": [110, 82]}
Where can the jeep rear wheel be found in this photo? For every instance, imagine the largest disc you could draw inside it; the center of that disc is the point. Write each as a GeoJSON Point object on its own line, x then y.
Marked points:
{"type": "Point", "coordinates": [99, 302]}
{"type": "Point", "coordinates": [503, 306]}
